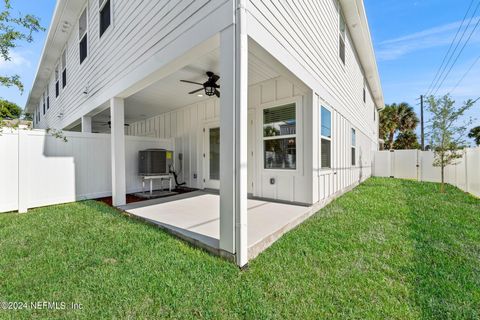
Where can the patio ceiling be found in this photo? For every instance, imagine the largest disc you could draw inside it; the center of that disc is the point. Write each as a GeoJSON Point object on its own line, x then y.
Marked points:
{"type": "Point", "coordinates": [169, 93]}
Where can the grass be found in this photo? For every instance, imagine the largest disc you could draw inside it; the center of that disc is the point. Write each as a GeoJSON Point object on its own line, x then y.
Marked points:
{"type": "Point", "coordinates": [389, 249]}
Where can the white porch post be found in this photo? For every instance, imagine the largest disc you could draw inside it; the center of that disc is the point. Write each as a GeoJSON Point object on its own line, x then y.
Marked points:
{"type": "Point", "coordinates": [233, 141]}
{"type": "Point", "coordinates": [117, 118]}
{"type": "Point", "coordinates": [87, 124]}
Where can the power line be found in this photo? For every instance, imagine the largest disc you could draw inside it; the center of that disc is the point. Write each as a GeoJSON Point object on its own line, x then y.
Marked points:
{"type": "Point", "coordinates": [450, 48]}
{"type": "Point", "coordinates": [459, 54]}
{"type": "Point", "coordinates": [465, 74]}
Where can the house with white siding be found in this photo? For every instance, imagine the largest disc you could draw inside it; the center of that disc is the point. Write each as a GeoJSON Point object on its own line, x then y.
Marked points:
{"type": "Point", "coordinates": [273, 104]}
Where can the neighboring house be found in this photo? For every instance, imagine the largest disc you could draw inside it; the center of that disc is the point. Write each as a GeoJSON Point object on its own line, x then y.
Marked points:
{"type": "Point", "coordinates": [297, 114]}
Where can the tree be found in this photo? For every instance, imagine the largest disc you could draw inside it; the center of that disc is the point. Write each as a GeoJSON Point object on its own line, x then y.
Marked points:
{"type": "Point", "coordinates": [446, 134]}
{"type": "Point", "coordinates": [475, 134]}
{"type": "Point", "coordinates": [9, 110]}
{"type": "Point", "coordinates": [396, 118]}
{"type": "Point", "coordinates": [406, 140]}
{"type": "Point", "coordinates": [14, 29]}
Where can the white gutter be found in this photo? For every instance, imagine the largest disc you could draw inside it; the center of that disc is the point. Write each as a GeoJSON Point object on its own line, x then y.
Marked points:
{"type": "Point", "coordinates": [356, 18]}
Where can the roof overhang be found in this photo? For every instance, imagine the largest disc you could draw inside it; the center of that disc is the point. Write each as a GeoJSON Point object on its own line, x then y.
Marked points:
{"type": "Point", "coordinates": [356, 19]}
{"type": "Point", "coordinates": [63, 19]}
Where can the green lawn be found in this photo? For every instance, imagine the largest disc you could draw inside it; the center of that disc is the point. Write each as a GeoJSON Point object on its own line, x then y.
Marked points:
{"type": "Point", "coordinates": [389, 249]}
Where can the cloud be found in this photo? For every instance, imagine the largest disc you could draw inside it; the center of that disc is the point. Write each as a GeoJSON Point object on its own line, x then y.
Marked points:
{"type": "Point", "coordinates": [426, 39]}
{"type": "Point", "coordinates": [18, 61]}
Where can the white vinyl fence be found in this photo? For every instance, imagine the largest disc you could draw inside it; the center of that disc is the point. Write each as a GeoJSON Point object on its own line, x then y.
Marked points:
{"type": "Point", "coordinates": [39, 169]}
{"type": "Point", "coordinates": [418, 165]}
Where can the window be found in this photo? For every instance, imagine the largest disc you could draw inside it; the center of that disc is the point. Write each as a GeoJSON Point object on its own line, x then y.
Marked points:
{"type": "Point", "coordinates": [280, 137]}
{"type": "Point", "coordinates": [64, 68]}
{"type": "Point", "coordinates": [43, 103]}
{"type": "Point", "coordinates": [326, 138]}
{"type": "Point", "coordinates": [57, 82]}
{"type": "Point", "coordinates": [354, 147]}
{"type": "Point", "coordinates": [48, 97]}
{"type": "Point", "coordinates": [364, 92]}
{"type": "Point", "coordinates": [342, 37]}
{"type": "Point", "coordinates": [105, 15]}
{"type": "Point", "coordinates": [82, 36]}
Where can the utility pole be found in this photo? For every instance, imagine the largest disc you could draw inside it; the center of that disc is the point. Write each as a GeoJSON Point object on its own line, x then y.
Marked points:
{"type": "Point", "coordinates": [422, 133]}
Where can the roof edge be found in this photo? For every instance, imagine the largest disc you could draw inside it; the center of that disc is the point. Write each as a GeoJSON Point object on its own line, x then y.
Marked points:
{"type": "Point", "coordinates": [356, 18]}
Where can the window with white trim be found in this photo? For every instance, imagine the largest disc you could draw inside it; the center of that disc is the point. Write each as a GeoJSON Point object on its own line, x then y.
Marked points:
{"type": "Point", "coordinates": [64, 68]}
{"type": "Point", "coordinates": [82, 36]}
{"type": "Point", "coordinates": [44, 105]}
{"type": "Point", "coordinates": [57, 82]}
{"type": "Point", "coordinates": [342, 36]}
{"type": "Point", "coordinates": [280, 137]}
{"type": "Point", "coordinates": [364, 91]}
{"type": "Point", "coordinates": [48, 96]}
{"type": "Point", "coordinates": [325, 138]}
{"type": "Point", "coordinates": [354, 147]}
{"type": "Point", "coordinates": [105, 15]}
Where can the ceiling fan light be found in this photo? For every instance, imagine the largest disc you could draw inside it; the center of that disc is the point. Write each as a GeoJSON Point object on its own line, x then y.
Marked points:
{"type": "Point", "coordinates": [210, 91]}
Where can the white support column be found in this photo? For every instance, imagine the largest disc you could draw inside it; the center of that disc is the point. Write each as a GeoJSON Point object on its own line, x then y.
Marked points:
{"type": "Point", "coordinates": [87, 124]}
{"type": "Point", "coordinates": [117, 118]}
{"type": "Point", "coordinates": [233, 141]}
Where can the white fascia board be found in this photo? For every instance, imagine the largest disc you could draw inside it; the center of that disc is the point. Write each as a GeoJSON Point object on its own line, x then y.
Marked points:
{"type": "Point", "coordinates": [356, 19]}
{"type": "Point", "coordinates": [64, 18]}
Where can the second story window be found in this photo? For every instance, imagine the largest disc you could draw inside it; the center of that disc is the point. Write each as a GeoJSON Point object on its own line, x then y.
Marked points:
{"type": "Point", "coordinates": [343, 31]}
{"type": "Point", "coordinates": [57, 82]}
{"type": "Point", "coordinates": [364, 92]}
{"type": "Point", "coordinates": [105, 15]}
{"type": "Point", "coordinates": [64, 68]}
{"type": "Point", "coordinates": [43, 104]}
{"type": "Point", "coordinates": [82, 36]}
{"type": "Point", "coordinates": [48, 97]}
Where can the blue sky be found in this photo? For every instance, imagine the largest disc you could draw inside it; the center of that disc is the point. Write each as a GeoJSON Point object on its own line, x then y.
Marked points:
{"type": "Point", "coordinates": [410, 38]}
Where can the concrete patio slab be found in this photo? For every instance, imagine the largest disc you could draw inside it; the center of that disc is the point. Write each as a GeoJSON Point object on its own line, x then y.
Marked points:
{"type": "Point", "coordinates": [195, 217]}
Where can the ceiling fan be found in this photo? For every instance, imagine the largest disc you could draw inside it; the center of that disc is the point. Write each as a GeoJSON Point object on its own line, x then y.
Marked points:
{"type": "Point", "coordinates": [109, 124]}
{"type": "Point", "coordinates": [210, 86]}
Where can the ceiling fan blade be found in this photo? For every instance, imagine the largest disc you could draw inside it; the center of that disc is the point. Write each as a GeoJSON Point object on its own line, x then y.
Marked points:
{"type": "Point", "coordinates": [193, 82]}
{"type": "Point", "coordinates": [215, 78]}
{"type": "Point", "coordinates": [195, 91]}
{"type": "Point", "coordinates": [217, 93]}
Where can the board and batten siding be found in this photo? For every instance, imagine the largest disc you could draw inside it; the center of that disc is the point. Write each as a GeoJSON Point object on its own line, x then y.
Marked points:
{"type": "Point", "coordinates": [186, 125]}
{"type": "Point", "coordinates": [139, 29]}
{"type": "Point", "coordinates": [309, 32]}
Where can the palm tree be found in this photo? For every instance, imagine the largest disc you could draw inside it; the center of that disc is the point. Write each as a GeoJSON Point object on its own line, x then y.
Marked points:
{"type": "Point", "coordinates": [396, 118]}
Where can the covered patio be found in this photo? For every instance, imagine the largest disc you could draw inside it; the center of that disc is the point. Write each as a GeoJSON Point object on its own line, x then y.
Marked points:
{"type": "Point", "coordinates": [195, 217]}
{"type": "Point", "coordinates": [247, 206]}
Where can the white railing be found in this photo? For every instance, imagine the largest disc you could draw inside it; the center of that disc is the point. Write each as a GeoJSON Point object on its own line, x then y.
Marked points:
{"type": "Point", "coordinates": [39, 169]}
{"type": "Point", "coordinates": [418, 165]}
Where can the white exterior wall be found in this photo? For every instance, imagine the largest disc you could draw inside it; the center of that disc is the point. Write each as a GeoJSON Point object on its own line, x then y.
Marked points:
{"type": "Point", "coordinates": [139, 30]}
{"type": "Point", "coordinates": [186, 125]}
{"type": "Point", "coordinates": [305, 38]}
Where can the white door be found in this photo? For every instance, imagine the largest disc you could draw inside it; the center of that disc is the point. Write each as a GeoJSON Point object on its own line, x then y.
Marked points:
{"type": "Point", "coordinates": [211, 157]}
